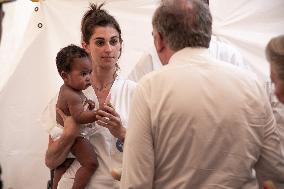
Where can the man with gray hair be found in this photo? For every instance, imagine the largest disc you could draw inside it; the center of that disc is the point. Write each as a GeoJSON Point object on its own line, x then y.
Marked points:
{"type": "Point", "coordinates": [198, 122]}
{"type": "Point", "coordinates": [149, 61]}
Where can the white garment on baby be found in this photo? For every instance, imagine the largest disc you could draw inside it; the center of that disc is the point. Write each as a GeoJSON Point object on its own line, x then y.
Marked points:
{"type": "Point", "coordinates": [86, 130]}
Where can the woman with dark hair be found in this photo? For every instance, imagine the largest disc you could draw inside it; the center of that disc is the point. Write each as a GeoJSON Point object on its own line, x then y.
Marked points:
{"type": "Point", "coordinates": [101, 38]}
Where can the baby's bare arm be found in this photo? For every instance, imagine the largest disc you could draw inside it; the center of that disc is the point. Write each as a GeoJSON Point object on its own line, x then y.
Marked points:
{"type": "Point", "coordinates": [76, 108]}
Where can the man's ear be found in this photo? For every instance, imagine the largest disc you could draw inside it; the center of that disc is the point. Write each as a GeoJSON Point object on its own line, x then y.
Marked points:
{"type": "Point", "coordinates": [86, 47]}
{"type": "Point", "coordinates": [159, 43]}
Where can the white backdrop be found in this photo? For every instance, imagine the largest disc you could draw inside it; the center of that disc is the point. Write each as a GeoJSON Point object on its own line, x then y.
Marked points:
{"type": "Point", "coordinates": [28, 75]}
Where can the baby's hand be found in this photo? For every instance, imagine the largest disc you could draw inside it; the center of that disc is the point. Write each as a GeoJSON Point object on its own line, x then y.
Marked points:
{"type": "Point", "coordinates": [91, 104]}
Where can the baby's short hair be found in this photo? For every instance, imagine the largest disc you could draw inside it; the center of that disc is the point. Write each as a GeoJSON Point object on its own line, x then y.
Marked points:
{"type": "Point", "coordinates": [66, 55]}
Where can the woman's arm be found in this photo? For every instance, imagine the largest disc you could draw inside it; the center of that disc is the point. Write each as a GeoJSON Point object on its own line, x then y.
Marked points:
{"type": "Point", "coordinates": [58, 150]}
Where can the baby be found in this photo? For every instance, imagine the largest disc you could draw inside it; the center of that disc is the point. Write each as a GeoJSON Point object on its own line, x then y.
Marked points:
{"type": "Point", "coordinates": [75, 67]}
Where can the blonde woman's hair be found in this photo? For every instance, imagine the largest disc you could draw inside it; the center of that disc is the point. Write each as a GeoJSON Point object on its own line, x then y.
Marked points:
{"type": "Point", "coordinates": [275, 54]}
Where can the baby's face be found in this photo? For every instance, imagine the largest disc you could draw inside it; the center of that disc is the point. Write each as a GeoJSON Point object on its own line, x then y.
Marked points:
{"type": "Point", "coordinates": [79, 77]}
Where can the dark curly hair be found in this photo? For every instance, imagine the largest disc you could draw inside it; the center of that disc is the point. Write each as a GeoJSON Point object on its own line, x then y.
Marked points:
{"type": "Point", "coordinates": [66, 56]}
{"type": "Point", "coordinates": [94, 17]}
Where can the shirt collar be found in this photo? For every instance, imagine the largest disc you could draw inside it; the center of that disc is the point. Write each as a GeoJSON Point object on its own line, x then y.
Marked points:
{"type": "Point", "coordinates": [188, 53]}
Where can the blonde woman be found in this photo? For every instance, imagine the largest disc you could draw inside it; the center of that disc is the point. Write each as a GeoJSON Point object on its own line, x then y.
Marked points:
{"type": "Point", "coordinates": [275, 56]}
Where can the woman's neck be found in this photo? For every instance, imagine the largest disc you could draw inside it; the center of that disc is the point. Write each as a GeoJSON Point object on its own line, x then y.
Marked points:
{"type": "Point", "coordinates": [103, 77]}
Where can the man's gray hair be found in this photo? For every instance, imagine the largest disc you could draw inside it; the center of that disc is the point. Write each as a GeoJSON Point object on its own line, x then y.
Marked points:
{"type": "Point", "coordinates": [183, 23]}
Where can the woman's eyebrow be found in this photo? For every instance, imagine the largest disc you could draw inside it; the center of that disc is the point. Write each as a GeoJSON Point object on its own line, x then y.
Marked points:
{"type": "Point", "coordinates": [115, 36]}
{"type": "Point", "coordinates": [99, 38]}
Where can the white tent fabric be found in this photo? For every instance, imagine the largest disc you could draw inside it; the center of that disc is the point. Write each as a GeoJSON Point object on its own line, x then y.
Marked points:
{"type": "Point", "coordinates": [29, 77]}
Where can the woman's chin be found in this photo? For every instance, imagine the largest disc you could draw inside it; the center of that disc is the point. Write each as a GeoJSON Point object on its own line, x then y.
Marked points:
{"type": "Point", "coordinates": [107, 65]}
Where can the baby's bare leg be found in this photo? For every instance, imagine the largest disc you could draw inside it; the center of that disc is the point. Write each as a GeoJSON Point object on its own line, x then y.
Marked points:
{"type": "Point", "coordinates": [60, 170]}
{"type": "Point", "coordinates": [83, 150]}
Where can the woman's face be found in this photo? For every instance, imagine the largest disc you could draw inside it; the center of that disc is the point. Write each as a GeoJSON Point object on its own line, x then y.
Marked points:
{"type": "Point", "coordinates": [104, 46]}
{"type": "Point", "coordinates": [279, 84]}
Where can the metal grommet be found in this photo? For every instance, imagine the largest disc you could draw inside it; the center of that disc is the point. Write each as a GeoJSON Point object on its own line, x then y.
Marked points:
{"type": "Point", "coordinates": [39, 25]}
{"type": "Point", "coordinates": [36, 9]}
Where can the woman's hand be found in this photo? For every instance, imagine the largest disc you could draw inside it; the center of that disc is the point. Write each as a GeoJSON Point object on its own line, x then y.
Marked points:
{"type": "Point", "coordinates": [71, 130]}
{"type": "Point", "coordinates": [109, 118]}
{"type": "Point", "coordinates": [58, 150]}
